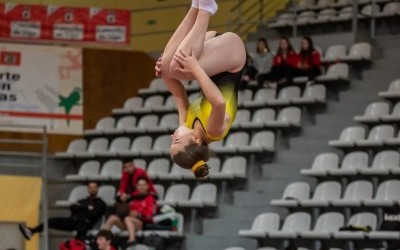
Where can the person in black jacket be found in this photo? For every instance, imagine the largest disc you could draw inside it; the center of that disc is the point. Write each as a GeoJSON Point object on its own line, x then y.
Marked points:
{"type": "Point", "coordinates": [84, 215]}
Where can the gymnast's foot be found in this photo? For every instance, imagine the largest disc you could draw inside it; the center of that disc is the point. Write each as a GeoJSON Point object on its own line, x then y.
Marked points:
{"type": "Point", "coordinates": [209, 6]}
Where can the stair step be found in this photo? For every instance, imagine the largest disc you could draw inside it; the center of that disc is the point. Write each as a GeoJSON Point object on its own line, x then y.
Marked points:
{"type": "Point", "coordinates": [226, 227]}
{"type": "Point", "coordinates": [251, 211]}
{"type": "Point", "coordinates": [201, 242]}
{"type": "Point", "coordinates": [243, 198]}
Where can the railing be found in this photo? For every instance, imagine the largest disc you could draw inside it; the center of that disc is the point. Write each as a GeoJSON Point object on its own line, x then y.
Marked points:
{"type": "Point", "coordinates": [42, 145]}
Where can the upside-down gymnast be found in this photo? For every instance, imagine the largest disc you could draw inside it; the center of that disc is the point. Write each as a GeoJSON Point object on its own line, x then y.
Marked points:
{"type": "Point", "coordinates": [216, 61]}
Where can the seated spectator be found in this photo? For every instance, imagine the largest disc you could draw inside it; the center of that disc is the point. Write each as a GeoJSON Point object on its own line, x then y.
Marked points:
{"type": "Point", "coordinates": [260, 63]}
{"type": "Point", "coordinates": [283, 65]}
{"type": "Point", "coordinates": [309, 60]}
{"type": "Point", "coordinates": [103, 240]}
{"type": "Point", "coordinates": [142, 210]}
{"type": "Point", "coordinates": [84, 215]}
{"type": "Point", "coordinates": [128, 182]}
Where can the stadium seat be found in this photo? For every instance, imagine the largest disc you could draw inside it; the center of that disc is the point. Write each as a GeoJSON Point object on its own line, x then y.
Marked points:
{"type": "Point", "coordinates": [322, 4]}
{"type": "Point", "coordinates": [260, 119]}
{"type": "Point", "coordinates": [145, 123]}
{"type": "Point", "coordinates": [103, 125]}
{"type": "Point", "coordinates": [394, 116]}
{"type": "Point", "coordinates": [233, 167]}
{"type": "Point", "coordinates": [387, 195]}
{"type": "Point", "coordinates": [242, 116]}
{"type": "Point", "coordinates": [370, 10]}
{"type": "Point", "coordinates": [261, 98]}
{"type": "Point", "coordinates": [287, 117]}
{"type": "Point", "coordinates": [156, 86]}
{"type": "Point", "coordinates": [285, 96]}
{"type": "Point", "coordinates": [130, 105]}
{"type": "Point", "coordinates": [293, 194]}
{"type": "Point", "coordinates": [312, 95]}
{"type": "Point", "coordinates": [233, 142]}
{"type": "Point", "coordinates": [359, 52]}
{"type": "Point", "coordinates": [139, 144]}
{"type": "Point", "coordinates": [77, 193]}
{"type": "Point", "coordinates": [390, 9]}
{"type": "Point", "coordinates": [345, 14]}
{"type": "Point", "coordinates": [322, 165]}
{"type": "Point", "coordinates": [262, 224]}
{"type": "Point", "coordinates": [348, 137]}
{"type": "Point", "coordinates": [325, 227]}
{"type": "Point", "coordinates": [95, 146]}
{"type": "Point", "coordinates": [151, 102]}
{"type": "Point", "coordinates": [294, 224]}
{"type": "Point", "coordinates": [203, 195]}
{"type": "Point", "coordinates": [324, 194]}
{"type": "Point", "coordinates": [285, 19]}
{"type": "Point", "coordinates": [117, 145]}
{"type": "Point", "coordinates": [157, 167]}
{"type": "Point", "coordinates": [111, 170]}
{"type": "Point", "coordinates": [140, 163]}
{"type": "Point", "coordinates": [262, 142]}
{"type": "Point", "coordinates": [138, 247]}
{"type": "Point", "coordinates": [168, 123]}
{"type": "Point", "coordinates": [324, 16]}
{"type": "Point", "coordinates": [175, 194]}
{"type": "Point", "coordinates": [360, 219]}
{"type": "Point", "coordinates": [305, 4]}
{"type": "Point", "coordinates": [355, 193]}
{"type": "Point", "coordinates": [193, 86]}
{"type": "Point", "coordinates": [383, 163]}
{"type": "Point", "coordinates": [176, 173]}
{"type": "Point", "coordinates": [86, 171]}
{"type": "Point", "coordinates": [107, 194]}
{"type": "Point", "coordinates": [352, 164]}
{"type": "Point", "coordinates": [161, 147]}
{"type": "Point", "coordinates": [373, 112]}
{"type": "Point", "coordinates": [393, 141]}
{"type": "Point", "coordinates": [334, 53]}
{"type": "Point", "coordinates": [123, 125]}
{"type": "Point", "coordinates": [393, 90]}
{"type": "Point", "coordinates": [169, 106]}
{"type": "Point", "coordinates": [377, 136]}
{"type": "Point", "coordinates": [214, 163]}
{"type": "Point", "coordinates": [335, 72]}
{"type": "Point", "coordinates": [244, 95]}
{"type": "Point", "coordinates": [160, 191]}
{"type": "Point", "coordinates": [305, 17]}
{"type": "Point", "coordinates": [76, 146]}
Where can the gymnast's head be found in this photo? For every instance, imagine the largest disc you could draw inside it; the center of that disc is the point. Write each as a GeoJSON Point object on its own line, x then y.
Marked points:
{"type": "Point", "coordinates": [190, 151]}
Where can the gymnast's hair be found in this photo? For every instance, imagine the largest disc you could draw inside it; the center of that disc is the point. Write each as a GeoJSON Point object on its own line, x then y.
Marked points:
{"type": "Point", "coordinates": [194, 157]}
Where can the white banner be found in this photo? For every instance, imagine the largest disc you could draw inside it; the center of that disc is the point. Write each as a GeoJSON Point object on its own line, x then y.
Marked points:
{"type": "Point", "coordinates": [41, 85]}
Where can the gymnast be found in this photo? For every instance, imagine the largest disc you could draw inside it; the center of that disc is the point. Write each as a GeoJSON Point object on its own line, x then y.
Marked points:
{"type": "Point", "coordinates": [216, 61]}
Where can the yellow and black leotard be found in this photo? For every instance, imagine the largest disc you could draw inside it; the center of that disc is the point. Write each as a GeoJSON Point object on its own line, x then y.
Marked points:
{"type": "Point", "coordinates": [200, 108]}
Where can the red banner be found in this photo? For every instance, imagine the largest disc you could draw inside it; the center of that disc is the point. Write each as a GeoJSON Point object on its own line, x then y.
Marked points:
{"type": "Point", "coordinates": [57, 23]}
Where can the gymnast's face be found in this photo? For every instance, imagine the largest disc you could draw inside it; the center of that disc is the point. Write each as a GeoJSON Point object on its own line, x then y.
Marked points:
{"type": "Point", "coordinates": [180, 138]}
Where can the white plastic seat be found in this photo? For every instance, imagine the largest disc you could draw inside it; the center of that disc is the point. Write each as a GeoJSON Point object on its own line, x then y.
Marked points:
{"type": "Point", "coordinates": [169, 106]}
{"type": "Point", "coordinates": [233, 167]}
{"type": "Point", "coordinates": [370, 10]}
{"type": "Point", "coordinates": [324, 16]}
{"type": "Point", "coordinates": [260, 119]}
{"type": "Point", "coordinates": [348, 137]}
{"type": "Point", "coordinates": [261, 143]}
{"type": "Point", "coordinates": [107, 194]}
{"type": "Point", "coordinates": [322, 165]}
{"type": "Point", "coordinates": [160, 191]}
{"type": "Point", "coordinates": [325, 227]}
{"type": "Point", "coordinates": [360, 219]}
{"type": "Point", "coordinates": [139, 144]}
{"type": "Point", "coordinates": [233, 142]}
{"type": "Point", "coordinates": [86, 170]}
{"type": "Point", "coordinates": [175, 193]}
{"type": "Point", "coordinates": [377, 136]}
{"type": "Point", "coordinates": [285, 19]}
{"type": "Point", "coordinates": [287, 117]}
{"type": "Point", "coordinates": [262, 224]}
{"type": "Point", "coordinates": [203, 195]}
{"type": "Point", "coordinates": [157, 167]}
{"type": "Point", "coordinates": [383, 164]}
{"type": "Point", "coordinates": [156, 86]}
{"type": "Point", "coordinates": [244, 96]}
{"type": "Point", "coordinates": [95, 146]}
{"type": "Point", "coordinates": [214, 163]}
{"type": "Point", "coordinates": [358, 52]}
{"type": "Point", "coordinates": [145, 123]}
{"type": "Point", "coordinates": [390, 9]}
{"type": "Point", "coordinates": [151, 102]}
{"type": "Point", "coordinates": [168, 122]}
{"type": "Point", "coordinates": [387, 195]}
{"type": "Point", "coordinates": [130, 104]}
{"type": "Point", "coordinates": [352, 164]}
{"type": "Point", "coordinates": [393, 90]}
{"type": "Point", "coordinates": [261, 98]}
{"type": "Point", "coordinates": [123, 125]}
{"type": "Point", "coordinates": [345, 14]}
{"type": "Point", "coordinates": [394, 116]}
{"type": "Point", "coordinates": [355, 193]}
{"type": "Point", "coordinates": [324, 194]}
{"type": "Point", "coordinates": [293, 194]}
{"type": "Point", "coordinates": [111, 170]}
{"type": "Point", "coordinates": [140, 163]}
{"type": "Point", "coordinates": [312, 94]}
{"type": "Point", "coordinates": [321, 4]}
{"type": "Point", "coordinates": [334, 53]}
{"type": "Point", "coordinates": [138, 247]}
{"type": "Point", "coordinates": [305, 17]}
{"type": "Point", "coordinates": [294, 224]}
{"type": "Point", "coordinates": [176, 173]}
{"type": "Point", "coordinates": [77, 193]}
{"type": "Point", "coordinates": [285, 96]}
{"type": "Point", "coordinates": [103, 125]}
{"type": "Point", "coordinates": [161, 147]}
{"type": "Point", "coordinates": [373, 112]}
{"type": "Point", "coordinates": [75, 146]}
{"type": "Point", "coordinates": [242, 116]}
{"type": "Point", "coordinates": [117, 145]}
{"type": "Point", "coordinates": [337, 71]}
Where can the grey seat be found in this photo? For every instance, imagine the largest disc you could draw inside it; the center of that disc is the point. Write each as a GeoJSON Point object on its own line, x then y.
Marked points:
{"type": "Point", "coordinates": [383, 164]}
{"type": "Point", "coordinates": [130, 104]}
{"type": "Point", "coordinates": [312, 94]}
{"type": "Point", "coordinates": [348, 137]}
{"type": "Point", "coordinates": [285, 19]}
{"type": "Point", "coordinates": [287, 117]}
{"type": "Point", "coordinates": [117, 145]}
{"type": "Point", "coordinates": [161, 147]}
{"type": "Point", "coordinates": [124, 124]}
{"type": "Point", "coordinates": [305, 17]}
{"type": "Point", "coordinates": [325, 227]}
{"type": "Point", "coordinates": [138, 247]}
{"type": "Point", "coordinates": [75, 146]}
{"type": "Point", "coordinates": [373, 112]}
{"type": "Point", "coordinates": [77, 193]}
{"type": "Point", "coordinates": [260, 119]}
{"type": "Point", "coordinates": [86, 170]}
{"type": "Point", "coordinates": [140, 163]}
{"type": "Point", "coordinates": [176, 173]}
{"type": "Point", "coordinates": [214, 163]}
{"type": "Point", "coordinates": [294, 224]}
{"type": "Point", "coordinates": [285, 96]}
{"type": "Point", "coordinates": [157, 167]}
{"type": "Point", "coordinates": [160, 191]}
{"type": "Point", "coordinates": [359, 52]}
{"type": "Point", "coordinates": [390, 9]}
{"type": "Point", "coordinates": [145, 123]}
{"type": "Point", "coordinates": [334, 53]}
{"type": "Point", "coordinates": [377, 136]}
{"type": "Point", "coordinates": [261, 98]}
{"type": "Point", "coordinates": [203, 195]}
{"type": "Point", "coordinates": [293, 194]}
{"type": "Point", "coordinates": [111, 170]}
{"type": "Point", "coordinates": [335, 72]}
{"type": "Point", "coordinates": [95, 146]}
{"type": "Point", "coordinates": [324, 16]}
{"type": "Point", "coordinates": [139, 144]}
{"type": "Point", "coordinates": [352, 164]}
{"type": "Point", "coordinates": [244, 96]}
{"type": "Point", "coordinates": [168, 122]}
{"type": "Point", "coordinates": [233, 142]}
{"type": "Point", "coordinates": [175, 193]}
{"type": "Point", "coordinates": [393, 90]}
{"type": "Point", "coordinates": [103, 125]}
{"type": "Point", "coordinates": [322, 165]}
{"type": "Point", "coordinates": [242, 116]}
{"type": "Point", "coordinates": [324, 194]}
{"type": "Point", "coordinates": [356, 192]}
{"type": "Point", "coordinates": [387, 195]}
{"type": "Point", "coordinates": [169, 106]}
{"type": "Point", "coordinates": [233, 167]}
{"type": "Point", "coordinates": [394, 116]}
{"type": "Point", "coordinates": [370, 10]}
{"type": "Point", "coordinates": [151, 103]}
{"type": "Point", "coordinates": [262, 225]}
{"type": "Point", "coordinates": [345, 14]}
{"type": "Point", "coordinates": [156, 86]}
{"type": "Point", "coordinates": [261, 143]}
{"type": "Point", "coordinates": [107, 194]}
{"type": "Point", "coordinates": [359, 219]}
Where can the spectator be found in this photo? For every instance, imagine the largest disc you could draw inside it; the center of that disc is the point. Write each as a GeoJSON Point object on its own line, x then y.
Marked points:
{"type": "Point", "coordinates": [129, 179]}
{"type": "Point", "coordinates": [283, 65]}
{"type": "Point", "coordinates": [142, 209]}
{"type": "Point", "coordinates": [309, 60]}
{"type": "Point", "coordinates": [84, 215]}
{"type": "Point", "coordinates": [103, 240]}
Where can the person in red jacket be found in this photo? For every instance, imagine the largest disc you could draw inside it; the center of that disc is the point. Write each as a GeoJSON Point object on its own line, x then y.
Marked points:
{"type": "Point", "coordinates": [283, 65]}
{"type": "Point", "coordinates": [309, 60]}
{"type": "Point", "coordinates": [127, 185]}
{"type": "Point", "coordinates": [142, 210]}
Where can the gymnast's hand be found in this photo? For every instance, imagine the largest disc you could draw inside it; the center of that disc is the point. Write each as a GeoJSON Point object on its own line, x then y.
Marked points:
{"type": "Point", "coordinates": [188, 62]}
{"type": "Point", "coordinates": [158, 67]}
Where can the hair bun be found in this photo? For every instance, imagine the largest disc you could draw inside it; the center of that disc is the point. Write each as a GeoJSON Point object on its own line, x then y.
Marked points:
{"type": "Point", "coordinates": [202, 171]}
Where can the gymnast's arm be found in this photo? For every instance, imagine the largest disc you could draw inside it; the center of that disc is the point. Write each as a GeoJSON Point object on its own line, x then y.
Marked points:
{"type": "Point", "coordinates": [178, 91]}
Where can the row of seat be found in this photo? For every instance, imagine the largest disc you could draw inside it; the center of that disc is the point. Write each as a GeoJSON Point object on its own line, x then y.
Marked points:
{"type": "Point", "coordinates": [160, 168]}
{"type": "Point", "coordinates": [298, 225]}
{"type": "Point", "coordinates": [323, 4]}
{"type": "Point", "coordinates": [379, 112]}
{"type": "Point", "coordinates": [328, 15]}
{"type": "Point", "coordinates": [356, 163]}
{"type": "Point", "coordinates": [329, 193]}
